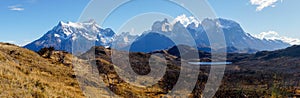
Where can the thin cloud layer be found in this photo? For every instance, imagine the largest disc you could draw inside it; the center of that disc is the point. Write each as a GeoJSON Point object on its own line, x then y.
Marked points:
{"type": "Point", "coordinates": [272, 35]}
{"type": "Point", "coordinates": [16, 8]}
{"type": "Point", "coordinates": [261, 4]}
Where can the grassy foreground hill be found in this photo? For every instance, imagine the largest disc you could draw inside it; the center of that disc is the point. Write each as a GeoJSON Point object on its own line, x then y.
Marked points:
{"type": "Point", "coordinates": [24, 73]}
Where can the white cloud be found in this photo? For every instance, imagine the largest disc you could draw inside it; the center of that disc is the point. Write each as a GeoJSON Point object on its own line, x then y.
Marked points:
{"type": "Point", "coordinates": [16, 8]}
{"type": "Point", "coordinates": [183, 19]}
{"type": "Point", "coordinates": [261, 4]}
{"type": "Point", "coordinates": [272, 35]}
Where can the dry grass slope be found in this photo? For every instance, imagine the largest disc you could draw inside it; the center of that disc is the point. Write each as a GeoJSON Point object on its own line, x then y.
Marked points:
{"type": "Point", "coordinates": [23, 73]}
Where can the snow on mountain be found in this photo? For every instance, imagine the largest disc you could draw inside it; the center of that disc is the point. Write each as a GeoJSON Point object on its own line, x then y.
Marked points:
{"type": "Point", "coordinates": [234, 35]}
{"type": "Point", "coordinates": [74, 37]}
{"type": "Point", "coordinates": [184, 20]}
{"type": "Point", "coordinates": [272, 35]}
{"type": "Point", "coordinates": [79, 37]}
{"type": "Point", "coordinates": [66, 30]}
{"type": "Point", "coordinates": [162, 26]}
{"type": "Point", "coordinates": [123, 40]}
{"type": "Point", "coordinates": [163, 35]}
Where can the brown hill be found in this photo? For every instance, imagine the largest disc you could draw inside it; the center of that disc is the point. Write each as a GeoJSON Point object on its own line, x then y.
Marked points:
{"type": "Point", "coordinates": [24, 73]}
{"type": "Point", "coordinates": [50, 73]}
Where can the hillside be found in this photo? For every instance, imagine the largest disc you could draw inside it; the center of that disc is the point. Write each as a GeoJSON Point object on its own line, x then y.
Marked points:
{"type": "Point", "coordinates": [241, 79]}
{"type": "Point", "coordinates": [236, 39]}
{"type": "Point", "coordinates": [77, 38]}
{"type": "Point", "coordinates": [24, 73]}
{"type": "Point", "coordinates": [276, 72]}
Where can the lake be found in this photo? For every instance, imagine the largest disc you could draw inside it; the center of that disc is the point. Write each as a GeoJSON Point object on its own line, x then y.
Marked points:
{"type": "Point", "coordinates": [210, 63]}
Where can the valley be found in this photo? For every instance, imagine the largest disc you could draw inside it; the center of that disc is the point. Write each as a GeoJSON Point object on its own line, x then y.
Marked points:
{"type": "Point", "coordinates": [51, 73]}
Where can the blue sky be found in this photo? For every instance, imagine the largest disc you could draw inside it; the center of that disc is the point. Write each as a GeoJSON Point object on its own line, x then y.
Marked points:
{"type": "Point", "coordinates": [23, 21]}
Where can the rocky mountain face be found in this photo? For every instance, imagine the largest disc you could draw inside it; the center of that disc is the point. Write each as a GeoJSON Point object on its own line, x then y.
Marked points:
{"type": "Point", "coordinates": [50, 73]}
{"type": "Point", "coordinates": [123, 40]}
{"type": "Point", "coordinates": [74, 37]}
{"type": "Point", "coordinates": [77, 38]}
{"type": "Point", "coordinates": [237, 40]}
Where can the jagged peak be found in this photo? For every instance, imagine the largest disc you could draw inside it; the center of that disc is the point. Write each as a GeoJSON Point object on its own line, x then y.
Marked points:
{"type": "Point", "coordinates": [161, 26]}
{"type": "Point", "coordinates": [89, 23]}
{"type": "Point", "coordinates": [221, 22]}
{"type": "Point", "coordinates": [165, 20]}
{"type": "Point", "coordinates": [60, 23]}
{"type": "Point", "coordinates": [69, 24]}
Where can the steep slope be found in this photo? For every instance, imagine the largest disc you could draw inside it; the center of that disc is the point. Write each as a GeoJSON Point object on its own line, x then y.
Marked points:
{"type": "Point", "coordinates": [77, 38]}
{"type": "Point", "coordinates": [24, 73]}
{"type": "Point", "coordinates": [123, 40]}
{"type": "Point", "coordinates": [234, 35]}
{"type": "Point", "coordinates": [237, 40]}
{"type": "Point", "coordinates": [150, 42]}
{"type": "Point", "coordinates": [74, 37]}
{"type": "Point", "coordinates": [161, 37]}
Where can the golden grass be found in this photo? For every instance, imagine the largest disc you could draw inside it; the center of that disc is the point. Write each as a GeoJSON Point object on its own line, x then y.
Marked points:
{"type": "Point", "coordinates": [23, 73]}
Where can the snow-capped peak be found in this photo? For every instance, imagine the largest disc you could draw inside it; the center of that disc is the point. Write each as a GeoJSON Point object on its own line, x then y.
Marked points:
{"type": "Point", "coordinates": [88, 29]}
{"type": "Point", "coordinates": [87, 34]}
{"type": "Point", "coordinates": [87, 24]}
{"type": "Point", "coordinates": [185, 20]}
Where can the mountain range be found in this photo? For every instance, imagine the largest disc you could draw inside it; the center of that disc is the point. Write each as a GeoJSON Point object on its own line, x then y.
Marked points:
{"type": "Point", "coordinates": [51, 73]}
{"type": "Point", "coordinates": [79, 37]}
{"type": "Point", "coordinates": [67, 37]}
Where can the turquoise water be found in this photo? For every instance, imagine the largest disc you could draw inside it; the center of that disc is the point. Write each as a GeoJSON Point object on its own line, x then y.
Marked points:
{"type": "Point", "coordinates": [210, 63]}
